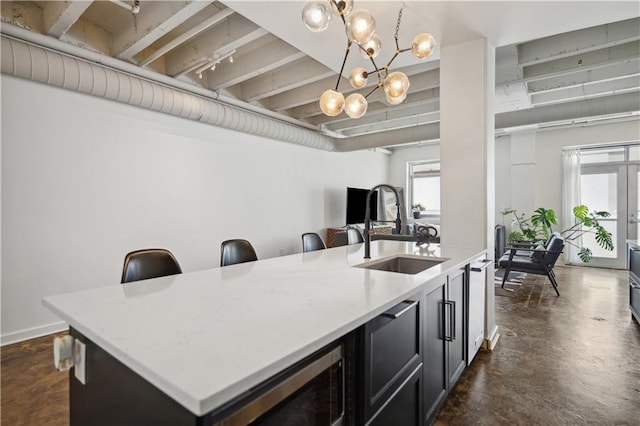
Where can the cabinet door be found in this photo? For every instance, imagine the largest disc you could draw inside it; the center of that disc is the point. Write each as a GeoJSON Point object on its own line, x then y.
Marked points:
{"type": "Point", "coordinates": [405, 405]}
{"type": "Point", "coordinates": [456, 325]}
{"type": "Point", "coordinates": [392, 350]}
{"type": "Point", "coordinates": [434, 366]}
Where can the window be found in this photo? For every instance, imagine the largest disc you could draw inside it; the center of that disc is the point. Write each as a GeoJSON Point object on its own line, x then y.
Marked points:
{"type": "Point", "coordinates": [424, 186]}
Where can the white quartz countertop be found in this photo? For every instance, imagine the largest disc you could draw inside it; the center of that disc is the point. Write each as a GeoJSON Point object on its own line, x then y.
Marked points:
{"type": "Point", "coordinates": [205, 337]}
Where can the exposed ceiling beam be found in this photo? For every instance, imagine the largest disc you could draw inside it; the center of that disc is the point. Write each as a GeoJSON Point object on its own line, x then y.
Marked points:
{"type": "Point", "coordinates": [267, 58]}
{"type": "Point", "coordinates": [571, 43]}
{"type": "Point", "coordinates": [399, 123]}
{"type": "Point", "coordinates": [612, 71]}
{"type": "Point", "coordinates": [311, 93]}
{"type": "Point", "coordinates": [416, 103]}
{"type": "Point", "coordinates": [232, 33]}
{"type": "Point", "coordinates": [584, 91]}
{"type": "Point", "coordinates": [588, 60]}
{"type": "Point", "coordinates": [184, 37]}
{"type": "Point", "coordinates": [296, 74]}
{"type": "Point", "coordinates": [421, 133]}
{"type": "Point", "coordinates": [602, 106]}
{"type": "Point", "coordinates": [418, 82]}
{"type": "Point", "coordinates": [59, 16]}
{"type": "Point", "coordinates": [157, 19]}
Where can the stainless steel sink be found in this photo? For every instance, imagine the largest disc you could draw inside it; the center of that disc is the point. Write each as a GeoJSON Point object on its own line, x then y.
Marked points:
{"type": "Point", "coordinates": [403, 264]}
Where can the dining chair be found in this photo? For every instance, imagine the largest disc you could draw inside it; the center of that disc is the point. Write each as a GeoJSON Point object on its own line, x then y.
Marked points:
{"type": "Point", "coordinates": [149, 263]}
{"type": "Point", "coordinates": [236, 251]}
{"type": "Point", "coordinates": [311, 241]}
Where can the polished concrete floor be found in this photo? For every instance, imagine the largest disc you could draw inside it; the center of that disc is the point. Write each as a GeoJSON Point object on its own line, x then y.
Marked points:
{"type": "Point", "coordinates": [568, 360]}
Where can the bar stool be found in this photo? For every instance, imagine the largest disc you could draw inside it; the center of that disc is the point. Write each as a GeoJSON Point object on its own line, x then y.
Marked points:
{"type": "Point", "coordinates": [149, 263]}
{"type": "Point", "coordinates": [236, 251]}
{"type": "Point", "coordinates": [311, 241]}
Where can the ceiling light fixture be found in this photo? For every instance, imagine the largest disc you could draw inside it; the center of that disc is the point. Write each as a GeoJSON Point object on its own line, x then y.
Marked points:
{"type": "Point", "coordinates": [360, 26]}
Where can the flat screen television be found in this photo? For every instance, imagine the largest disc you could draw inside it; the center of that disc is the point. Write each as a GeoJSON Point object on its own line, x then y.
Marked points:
{"type": "Point", "coordinates": [357, 204]}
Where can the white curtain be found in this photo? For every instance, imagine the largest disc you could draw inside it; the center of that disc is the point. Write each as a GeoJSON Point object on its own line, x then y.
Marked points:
{"type": "Point", "coordinates": [570, 197]}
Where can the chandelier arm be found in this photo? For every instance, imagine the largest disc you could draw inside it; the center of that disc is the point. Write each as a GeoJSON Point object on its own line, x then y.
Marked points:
{"type": "Point", "coordinates": [335, 3]}
{"type": "Point", "coordinates": [344, 61]}
{"type": "Point", "coordinates": [372, 90]}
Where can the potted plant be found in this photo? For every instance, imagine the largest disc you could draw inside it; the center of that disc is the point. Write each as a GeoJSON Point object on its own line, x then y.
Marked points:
{"type": "Point", "coordinates": [417, 210]}
{"type": "Point", "coordinates": [537, 227]}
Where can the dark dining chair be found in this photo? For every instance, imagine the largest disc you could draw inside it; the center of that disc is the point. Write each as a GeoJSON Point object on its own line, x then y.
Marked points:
{"type": "Point", "coordinates": [236, 251]}
{"type": "Point", "coordinates": [149, 263]}
{"type": "Point", "coordinates": [311, 241]}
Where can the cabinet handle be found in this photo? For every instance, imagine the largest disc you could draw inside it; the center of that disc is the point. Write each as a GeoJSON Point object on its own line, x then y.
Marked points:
{"type": "Point", "coordinates": [443, 320]}
{"type": "Point", "coordinates": [399, 314]}
{"type": "Point", "coordinates": [447, 336]}
{"type": "Point", "coordinates": [452, 313]}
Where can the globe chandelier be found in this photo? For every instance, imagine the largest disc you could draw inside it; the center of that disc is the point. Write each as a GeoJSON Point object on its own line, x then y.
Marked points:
{"type": "Point", "coordinates": [360, 26]}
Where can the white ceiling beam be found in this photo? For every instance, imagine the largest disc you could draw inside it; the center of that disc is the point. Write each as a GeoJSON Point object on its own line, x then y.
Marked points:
{"type": "Point", "coordinates": [258, 61]}
{"type": "Point", "coordinates": [59, 16]}
{"type": "Point", "coordinates": [609, 87]}
{"type": "Point", "coordinates": [311, 93]}
{"type": "Point", "coordinates": [389, 114]}
{"type": "Point", "coordinates": [296, 74]}
{"type": "Point", "coordinates": [154, 20]}
{"type": "Point", "coordinates": [398, 123]}
{"type": "Point", "coordinates": [588, 60]}
{"type": "Point", "coordinates": [184, 37]}
{"type": "Point", "coordinates": [415, 102]}
{"type": "Point", "coordinates": [418, 82]}
{"type": "Point", "coordinates": [612, 71]}
{"type": "Point", "coordinates": [232, 33]}
{"type": "Point", "coordinates": [571, 43]}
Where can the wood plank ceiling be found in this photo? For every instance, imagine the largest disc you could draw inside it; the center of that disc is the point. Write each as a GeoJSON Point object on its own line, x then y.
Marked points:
{"type": "Point", "coordinates": [541, 82]}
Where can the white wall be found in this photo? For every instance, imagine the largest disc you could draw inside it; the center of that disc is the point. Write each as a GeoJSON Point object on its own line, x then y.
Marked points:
{"type": "Point", "coordinates": [84, 181]}
{"type": "Point", "coordinates": [541, 186]}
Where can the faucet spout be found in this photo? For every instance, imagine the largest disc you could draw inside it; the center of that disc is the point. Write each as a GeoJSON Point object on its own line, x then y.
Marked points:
{"type": "Point", "coordinates": [367, 217]}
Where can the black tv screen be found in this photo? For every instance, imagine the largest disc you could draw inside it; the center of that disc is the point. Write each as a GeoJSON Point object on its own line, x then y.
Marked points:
{"type": "Point", "coordinates": [357, 204]}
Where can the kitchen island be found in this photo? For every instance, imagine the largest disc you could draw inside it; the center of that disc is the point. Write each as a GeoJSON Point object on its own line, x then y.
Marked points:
{"type": "Point", "coordinates": [205, 338]}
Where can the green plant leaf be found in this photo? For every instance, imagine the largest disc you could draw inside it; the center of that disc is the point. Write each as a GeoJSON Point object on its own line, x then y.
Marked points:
{"type": "Point", "coordinates": [604, 238]}
{"type": "Point", "coordinates": [585, 254]}
{"type": "Point", "coordinates": [602, 214]}
{"type": "Point", "coordinates": [581, 211]}
{"type": "Point", "coordinates": [515, 236]}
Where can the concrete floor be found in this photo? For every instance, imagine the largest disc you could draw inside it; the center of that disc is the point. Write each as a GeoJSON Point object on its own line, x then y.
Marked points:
{"type": "Point", "coordinates": [568, 360]}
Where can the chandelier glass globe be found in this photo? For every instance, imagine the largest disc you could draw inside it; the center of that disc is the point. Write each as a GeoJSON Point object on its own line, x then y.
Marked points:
{"type": "Point", "coordinates": [341, 7]}
{"type": "Point", "coordinates": [371, 48]}
{"type": "Point", "coordinates": [355, 105]}
{"type": "Point", "coordinates": [396, 84]}
{"type": "Point", "coordinates": [331, 102]}
{"type": "Point", "coordinates": [316, 15]}
{"type": "Point", "coordinates": [358, 77]}
{"type": "Point", "coordinates": [396, 100]}
{"type": "Point", "coordinates": [360, 26]}
{"type": "Point", "coordinates": [423, 45]}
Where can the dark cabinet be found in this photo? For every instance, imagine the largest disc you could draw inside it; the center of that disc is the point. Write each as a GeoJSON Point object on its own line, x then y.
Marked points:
{"type": "Point", "coordinates": [456, 336]}
{"type": "Point", "coordinates": [391, 352]}
{"type": "Point", "coordinates": [445, 339]}
{"type": "Point", "coordinates": [434, 353]}
{"type": "Point", "coordinates": [404, 407]}
{"type": "Point", "coordinates": [634, 281]}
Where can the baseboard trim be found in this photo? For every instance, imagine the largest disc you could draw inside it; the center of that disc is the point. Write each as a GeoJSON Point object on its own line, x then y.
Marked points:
{"type": "Point", "coordinates": [32, 333]}
{"type": "Point", "coordinates": [492, 340]}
